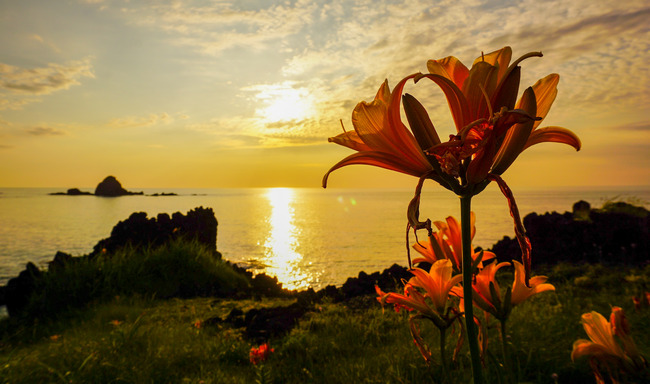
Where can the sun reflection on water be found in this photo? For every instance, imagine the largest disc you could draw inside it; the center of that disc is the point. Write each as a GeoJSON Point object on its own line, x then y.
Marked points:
{"type": "Point", "coordinates": [281, 255]}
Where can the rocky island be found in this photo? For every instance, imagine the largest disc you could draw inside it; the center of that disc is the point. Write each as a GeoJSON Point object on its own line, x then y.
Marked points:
{"type": "Point", "coordinates": [72, 192]}
{"type": "Point", "coordinates": [109, 187]}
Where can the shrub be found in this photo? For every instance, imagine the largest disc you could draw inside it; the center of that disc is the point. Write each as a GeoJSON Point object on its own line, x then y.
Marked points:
{"type": "Point", "coordinates": [176, 269]}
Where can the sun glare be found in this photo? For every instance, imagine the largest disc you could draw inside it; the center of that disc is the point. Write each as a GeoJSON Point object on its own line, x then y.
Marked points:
{"type": "Point", "coordinates": [281, 102]}
{"type": "Point", "coordinates": [282, 257]}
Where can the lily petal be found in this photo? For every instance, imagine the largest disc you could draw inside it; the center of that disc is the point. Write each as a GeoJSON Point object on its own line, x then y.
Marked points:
{"type": "Point", "coordinates": [420, 123]}
{"type": "Point", "coordinates": [450, 68]}
{"type": "Point", "coordinates": [455, 98]}
{"type": "Point", "coordinates": [554, 135]}
{"type": "Point", "coordinates": [584, 347]}
{"type": "Point", "coordinates": [545, 92]}
{"type": "Point", "coordinates": [351, 140]}
{"type": "Point", "coordinates": [600, 332]}
{"type": "Point", "coordinates": [499, 58]}
{"type": "Point", "coordinates": [520, 291]}
{"type": "Point", "coordinates": [377, 159]}
{"type": "Point", "coordinates": [397, 132]}
{"type": "Point", "coordinates": [517, 136]}
{"type": "Point", "coordinates": [482, 78]}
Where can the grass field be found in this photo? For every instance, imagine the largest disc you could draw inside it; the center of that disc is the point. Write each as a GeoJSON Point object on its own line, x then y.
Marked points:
{"type": "Point", "coordinates": [133, 339]}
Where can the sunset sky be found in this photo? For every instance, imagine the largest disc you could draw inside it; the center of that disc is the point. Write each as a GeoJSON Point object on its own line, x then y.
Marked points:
{"type": "Point", "coordinates": [245, 93]}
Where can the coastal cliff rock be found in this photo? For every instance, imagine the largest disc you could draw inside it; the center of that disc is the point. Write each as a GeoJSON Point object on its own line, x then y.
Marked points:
{"type": "Point", "coordinates": [110, 187]}
{"type": "Point", "coordinates": [19, 289]}
{"type": "Point", "coordinates": [619, 233]}
{"type": "Point", "coordinates": [199, 224]}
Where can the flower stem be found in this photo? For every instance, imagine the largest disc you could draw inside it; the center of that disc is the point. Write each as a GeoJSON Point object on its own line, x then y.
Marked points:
{"type": "Point", "coordinates": [504, 350]}
{"type": "Point", "coordinates": [443, 361]}
{"type": "Point", "coordinates": [472, 333]}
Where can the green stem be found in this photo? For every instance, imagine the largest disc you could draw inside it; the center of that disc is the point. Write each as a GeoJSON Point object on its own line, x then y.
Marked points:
{"type": "Point", "coordinates": [443, 361]}
{"type": "Point", "coordinates": [504, 350]}
{"type": "Point", "coordinates": [472, 333]}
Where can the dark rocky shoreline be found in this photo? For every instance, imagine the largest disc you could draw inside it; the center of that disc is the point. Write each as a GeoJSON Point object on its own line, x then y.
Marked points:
{"type": "Point", "coordinates": [616, 234]}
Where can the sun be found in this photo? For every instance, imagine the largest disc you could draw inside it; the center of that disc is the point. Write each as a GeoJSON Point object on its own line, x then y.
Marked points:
{"type": "Point", "coordinates": [282, 102]}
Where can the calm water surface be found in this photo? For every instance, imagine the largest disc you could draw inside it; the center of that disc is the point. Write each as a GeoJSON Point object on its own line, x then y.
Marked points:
{"type": "Point", "coordinates": [305, 237]}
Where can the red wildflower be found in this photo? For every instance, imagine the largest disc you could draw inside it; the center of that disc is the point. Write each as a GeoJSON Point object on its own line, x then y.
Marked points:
{"type": "Point", "coordinates": [260, 354]}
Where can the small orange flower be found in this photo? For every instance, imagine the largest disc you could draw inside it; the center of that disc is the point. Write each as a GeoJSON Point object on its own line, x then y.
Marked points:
{"type": "Point", "coordinates": [428, 294]}
{"type": "Point", "coordinates": [435, 286]}
{"type": "Point", "coordinates": [487, 293]}
{"type": "Point", "coordinates": [446, 243]}
{"type": "Point", "coordinates": [603, 347]}
{"type": "Point", "coordinates": [520, 291]}
{"type": "Point", "coordinates": [260, 354]}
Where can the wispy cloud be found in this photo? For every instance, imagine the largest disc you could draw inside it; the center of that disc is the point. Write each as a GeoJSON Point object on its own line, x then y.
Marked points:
{"type": "Point", "coordinates": [42, 41]}
{"type": "Point", "coordinates": [214, 27]}
{"type": "Point", "coordinates": [350, 47]}
{"type": "Point", "coordinates": [45, 131]}
{"type": "Point", "coordinates": [141, 121]}
{"type": "Point", "coordinates": [15, 103]}
{"type": "Point", "coordinates": [639, 126]}
{"type": "Point", "coordinates": [44, 80]}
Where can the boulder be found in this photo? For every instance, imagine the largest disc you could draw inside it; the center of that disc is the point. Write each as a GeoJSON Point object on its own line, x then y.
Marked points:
{"type": "Point", "coordinates": [18, 290]}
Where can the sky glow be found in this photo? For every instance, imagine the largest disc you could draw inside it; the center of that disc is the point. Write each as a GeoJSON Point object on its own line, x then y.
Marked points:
{"type": "Point", "coordinates": [246, 93]}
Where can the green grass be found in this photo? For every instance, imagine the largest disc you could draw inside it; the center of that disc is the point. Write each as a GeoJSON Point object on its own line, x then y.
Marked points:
{"type": "Point", "coordinates": [178, 269]}
{"type": "Point", "coordinates": [155, 341]}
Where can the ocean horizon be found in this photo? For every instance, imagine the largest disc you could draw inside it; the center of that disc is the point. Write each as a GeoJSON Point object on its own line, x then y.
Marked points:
{"type": "Point", "coordinates": [306, 237]}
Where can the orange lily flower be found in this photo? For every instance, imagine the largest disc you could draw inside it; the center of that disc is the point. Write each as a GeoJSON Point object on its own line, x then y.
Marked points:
{"type": "Point", "coordinates": [604, 349]}
{"type": "Point", "coordinates": [493, 128]}
{"type": "Point", "coordinates": [411, 300]}
{"type": "Point", "coordinates": [428, 294]}
{"type": "Point", "coordinates": [487, 293]}
{"type": "Point", "coordinates": [520, 291]}
{"type": "Point", "coordinates": [446, 243]}
{"type": "Point", "coordinates": [435, 284]}
{"type": "Point", "coordinates": [490, 85]}
{"type": "Point", "coordinates": [380, 138]}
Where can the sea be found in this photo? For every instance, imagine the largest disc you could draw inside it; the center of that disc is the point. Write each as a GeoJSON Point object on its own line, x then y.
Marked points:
{"type": "Point", "coordinates": [307, 237]}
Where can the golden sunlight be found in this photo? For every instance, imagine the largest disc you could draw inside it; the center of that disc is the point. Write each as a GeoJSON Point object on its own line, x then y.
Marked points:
{"type": "Point", "coordinates": [284, 103]}
{"type": "Point", "coordinates": [282, 257]}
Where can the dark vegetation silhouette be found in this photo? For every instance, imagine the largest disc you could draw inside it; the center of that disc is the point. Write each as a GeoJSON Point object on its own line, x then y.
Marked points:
{"type": "Point", "coordinates": [176, 256]}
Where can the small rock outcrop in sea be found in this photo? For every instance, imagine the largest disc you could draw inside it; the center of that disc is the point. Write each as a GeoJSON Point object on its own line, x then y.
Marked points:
{"type": "Point", "coordinates": [110, 187]}
{"type": "Point", "coordinates": [618, 233]}
{"type": "Point", "coordinates": [73, 192]}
